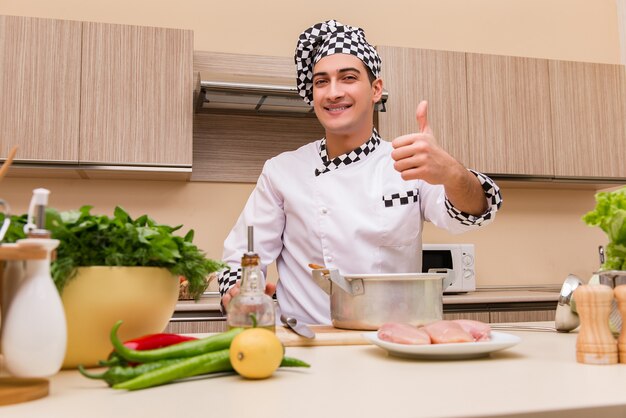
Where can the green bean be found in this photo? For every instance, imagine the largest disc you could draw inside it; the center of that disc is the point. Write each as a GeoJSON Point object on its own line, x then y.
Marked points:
{"type": "Point", "coordinates": [185, 349]}
{"type": "Point", "coordinates": [217, 361]}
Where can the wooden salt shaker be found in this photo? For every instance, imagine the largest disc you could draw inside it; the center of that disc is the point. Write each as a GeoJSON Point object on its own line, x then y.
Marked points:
{"type": "Point", "coordinates": [620, 295]}
{"type": "Point", "coordinates": [595, 343]}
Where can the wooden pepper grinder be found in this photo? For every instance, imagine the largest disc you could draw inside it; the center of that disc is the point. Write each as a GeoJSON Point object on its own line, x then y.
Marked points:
{"type": "Point", "coordinates": [595, 343]}
{"type": "Point", "coordinates": [620, 295]}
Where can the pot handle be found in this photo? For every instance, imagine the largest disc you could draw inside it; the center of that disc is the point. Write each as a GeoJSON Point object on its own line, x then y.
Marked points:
{"type": "Point", "coordinates": [323, 277]}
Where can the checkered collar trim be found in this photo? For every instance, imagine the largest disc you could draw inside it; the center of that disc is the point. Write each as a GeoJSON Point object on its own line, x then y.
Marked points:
{"type": "Point", "coordinates": [345, 159]}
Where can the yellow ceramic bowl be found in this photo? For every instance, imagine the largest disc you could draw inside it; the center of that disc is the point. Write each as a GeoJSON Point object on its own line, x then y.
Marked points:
{"type": "Point", "coordinates": [143, 297]}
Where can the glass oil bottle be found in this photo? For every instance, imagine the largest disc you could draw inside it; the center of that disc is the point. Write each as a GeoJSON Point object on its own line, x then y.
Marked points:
{"type": "Point", "coordinates": [251, 307]}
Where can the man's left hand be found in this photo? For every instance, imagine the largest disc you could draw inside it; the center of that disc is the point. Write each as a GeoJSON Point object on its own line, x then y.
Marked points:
{"type": "Point", "coordinates": [418, 156]}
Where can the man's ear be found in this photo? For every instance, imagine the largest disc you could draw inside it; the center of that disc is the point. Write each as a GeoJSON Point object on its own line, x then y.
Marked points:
{"type": "Point", "coordinates": [377, 89]}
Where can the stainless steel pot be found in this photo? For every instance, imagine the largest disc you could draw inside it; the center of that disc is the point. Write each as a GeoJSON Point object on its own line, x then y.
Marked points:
{"type": "Point", "coordinates": [366, 301]}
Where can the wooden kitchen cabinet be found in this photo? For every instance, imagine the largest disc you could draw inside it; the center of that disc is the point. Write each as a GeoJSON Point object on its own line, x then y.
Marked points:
{"type": "Point", "coordinates": [522, 316]}
{"type": "Point", "coordinates": [137, 95]}
{"type": "Point", "coordinates": [40, 64]}
{"type": "Point", "coordinates": [490, 112]}
{"type": "Point", "coordinates": [512, 116]}
{"type": "Point", "coordinates": [509, 120]}
{"type": "Point", "coordinates": [411, 75]}
{"type": "Point", "coordinates": [193, 327]}
{"type": "Point", "coordinates": [589, 119]}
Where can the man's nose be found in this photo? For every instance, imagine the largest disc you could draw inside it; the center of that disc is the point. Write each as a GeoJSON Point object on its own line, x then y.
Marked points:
{"type": "Point", "coordinates": [335, 91]}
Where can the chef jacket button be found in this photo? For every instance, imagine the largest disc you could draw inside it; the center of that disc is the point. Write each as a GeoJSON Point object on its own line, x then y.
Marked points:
{"type": "Point", "coordinates": [324, 211]}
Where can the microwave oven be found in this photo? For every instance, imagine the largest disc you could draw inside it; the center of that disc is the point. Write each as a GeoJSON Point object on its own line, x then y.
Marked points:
{"type": "Point", "coordinates": [456, 257]}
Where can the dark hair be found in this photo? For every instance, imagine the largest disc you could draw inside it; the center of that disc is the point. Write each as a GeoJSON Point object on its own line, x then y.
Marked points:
{"type": "Point", "coordinates": [370, 74]}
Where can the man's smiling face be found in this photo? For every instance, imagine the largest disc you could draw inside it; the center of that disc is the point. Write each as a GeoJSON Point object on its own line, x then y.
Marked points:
{"type": "Point", "coordinates": [343, 96]}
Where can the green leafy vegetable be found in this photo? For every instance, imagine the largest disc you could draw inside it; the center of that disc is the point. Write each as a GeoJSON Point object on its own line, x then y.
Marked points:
{"type": "Point", "coordinates": [610, 216]}
{"type": "Point", "coordinates": [99, 240]}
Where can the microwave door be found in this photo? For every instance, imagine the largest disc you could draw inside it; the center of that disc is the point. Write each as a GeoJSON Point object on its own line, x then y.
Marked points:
{"type": "Point", "coordinates": [436, 259]}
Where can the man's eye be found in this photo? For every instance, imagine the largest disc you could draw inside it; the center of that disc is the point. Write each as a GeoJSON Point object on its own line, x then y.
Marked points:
{"type": "Point", "coordinates": [319, 82]}
{"type": "Point", "coordinates": [350, 77]}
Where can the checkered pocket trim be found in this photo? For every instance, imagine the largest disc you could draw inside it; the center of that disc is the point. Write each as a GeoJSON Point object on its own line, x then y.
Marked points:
{"type": "Point", "coordinates": [399, 199]}
{"type": "Point", "coordinates": [227, 279]}
{"type": "Point", "coordinates": [494, 198]}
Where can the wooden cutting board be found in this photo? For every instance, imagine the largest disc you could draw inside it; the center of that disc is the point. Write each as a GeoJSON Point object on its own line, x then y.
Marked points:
{"type": "Point", "coordinates": [324, 335]}
{"type": "Point", "coordinates": [16, 390]}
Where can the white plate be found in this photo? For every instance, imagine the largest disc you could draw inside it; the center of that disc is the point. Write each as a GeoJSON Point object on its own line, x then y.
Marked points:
{"type": "Point", "coordinates": [452, 351]}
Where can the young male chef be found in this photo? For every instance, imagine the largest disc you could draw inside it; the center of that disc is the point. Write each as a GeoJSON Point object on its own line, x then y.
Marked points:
{"type": "Point", "coordinates": [350, 200]}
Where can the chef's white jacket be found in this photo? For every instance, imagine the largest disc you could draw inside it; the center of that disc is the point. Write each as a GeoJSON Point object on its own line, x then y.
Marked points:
{"type": "Point", "coordinates": [356, 214]}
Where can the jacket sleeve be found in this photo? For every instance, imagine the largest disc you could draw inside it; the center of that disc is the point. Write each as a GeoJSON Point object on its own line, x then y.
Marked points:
{"type": "Point", "coordinates": [264, 211]}
{"type": "Point", "coordinates": [439, 210]}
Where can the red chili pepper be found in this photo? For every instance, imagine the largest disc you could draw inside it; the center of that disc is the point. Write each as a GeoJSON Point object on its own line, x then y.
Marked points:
{"type": "Point", "coordinates": [151, 341]}
{"type": "Point", "coordinates": [147, 342]}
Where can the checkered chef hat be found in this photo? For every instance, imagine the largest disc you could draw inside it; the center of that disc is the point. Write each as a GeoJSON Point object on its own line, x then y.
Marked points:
{"type": "Point", "coordinates": [328, 38]}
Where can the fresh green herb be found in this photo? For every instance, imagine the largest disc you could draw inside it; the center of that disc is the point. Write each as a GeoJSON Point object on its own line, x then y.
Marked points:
{"type": "Point", "coordinates": [610, 215]}
{"type": "Point", "coordinates": [99, 240]}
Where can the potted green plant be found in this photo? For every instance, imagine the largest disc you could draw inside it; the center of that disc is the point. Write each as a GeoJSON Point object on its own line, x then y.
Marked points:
{"type": "Point", "coordinates": [99, 240]}
{"type": "Point", "coordinates": [111, 268]}
{"type": "Point", "coordinates": [610, 215]}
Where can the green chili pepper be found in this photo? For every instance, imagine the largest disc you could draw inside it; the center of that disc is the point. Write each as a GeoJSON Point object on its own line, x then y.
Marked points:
{"type": "Point", "coordinates": [119, 374]}
{"type": "Point", "coordinates": [293, 362]}
{"type": "Point", "coordinates": [113, 360]}
{"type": "Point", "coordinates": [185, 349]}
{"type": "Point", "coordinates": [216, 361]}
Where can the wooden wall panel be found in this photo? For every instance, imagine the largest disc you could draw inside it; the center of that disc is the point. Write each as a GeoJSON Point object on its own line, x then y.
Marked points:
{"type": "Point", "coordinates": [233, 148]}
{"type": "Point", "coordinates": [40, 88]}
{"type": "Point", "coordinates": [242, 64]}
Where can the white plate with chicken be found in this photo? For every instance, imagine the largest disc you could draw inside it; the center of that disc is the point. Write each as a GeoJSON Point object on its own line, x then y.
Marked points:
{"type": "Point", "coordinates": [442, 340]}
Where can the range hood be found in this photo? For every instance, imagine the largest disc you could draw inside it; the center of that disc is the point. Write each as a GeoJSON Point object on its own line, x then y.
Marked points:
{"type": "Point", "coordinates": [263, 95]}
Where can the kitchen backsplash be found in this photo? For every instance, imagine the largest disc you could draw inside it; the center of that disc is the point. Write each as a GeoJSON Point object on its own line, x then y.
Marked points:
{"type": "Point", "coordinates": [537, 238]}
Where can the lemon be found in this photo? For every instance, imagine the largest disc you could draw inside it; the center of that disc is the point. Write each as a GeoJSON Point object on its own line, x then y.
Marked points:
{"type": "Point", "coordinates": [256, 353]}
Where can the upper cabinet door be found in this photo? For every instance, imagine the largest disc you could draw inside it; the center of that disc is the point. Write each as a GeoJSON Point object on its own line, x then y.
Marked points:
{"type": "Point", "coordinates": [411, 75]}
{"type": "Point", "coordinates": [589, 114]}
{"type": "Point", "coordinates": [510, 130]}
{"type": "Point", "coordinates": [137, 95]}
{"type": "Point", "coordinates": [40, 88]}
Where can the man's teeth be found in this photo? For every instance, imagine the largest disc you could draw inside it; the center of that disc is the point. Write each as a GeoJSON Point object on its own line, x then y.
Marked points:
{"type": "Point", "coordinates": [332, 109]}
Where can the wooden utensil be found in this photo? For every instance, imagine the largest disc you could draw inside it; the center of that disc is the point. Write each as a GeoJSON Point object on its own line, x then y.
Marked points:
{"type": "Point", "coordinates": [318, 267]}
{"type": "Point", "coordinates": [16, 390]}
{"type": "Point", "coordinates": [8, 162]}
{"type": "Point", "coordinates": [324, 335]}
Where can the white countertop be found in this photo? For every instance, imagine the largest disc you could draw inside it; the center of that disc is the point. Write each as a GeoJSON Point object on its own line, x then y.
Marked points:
{"type": "Point", "coordinates": [539, 376]}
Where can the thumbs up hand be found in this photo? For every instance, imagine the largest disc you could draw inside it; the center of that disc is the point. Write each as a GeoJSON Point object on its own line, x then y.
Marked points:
{"type": "Point", "coordinates": [418, 156]}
